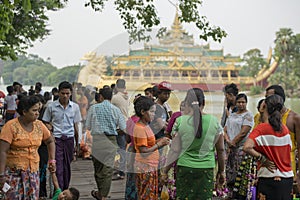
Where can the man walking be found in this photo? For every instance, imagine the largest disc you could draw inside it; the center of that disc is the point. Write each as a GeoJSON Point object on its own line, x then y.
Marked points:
{"type": "Point", "coordinates": [120, 99]}
{"type": "Point", "coordinates": [62, 117]}
{"type": "Point", "coordinates": [102, 120]}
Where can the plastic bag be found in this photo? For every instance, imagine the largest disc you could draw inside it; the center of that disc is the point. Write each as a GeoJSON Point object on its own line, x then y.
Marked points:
{"type": "Point", "coordinates": [164, 193]}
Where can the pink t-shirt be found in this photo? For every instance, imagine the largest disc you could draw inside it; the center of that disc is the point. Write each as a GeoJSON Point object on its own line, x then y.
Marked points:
{"type": "Point", "coordinates": [171, 122]}
{"type": "Point", "coordinates": [130, 123]}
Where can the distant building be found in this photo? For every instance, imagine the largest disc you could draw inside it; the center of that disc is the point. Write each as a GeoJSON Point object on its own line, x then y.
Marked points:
{"type": "Point", "coordinates": [185, 64]}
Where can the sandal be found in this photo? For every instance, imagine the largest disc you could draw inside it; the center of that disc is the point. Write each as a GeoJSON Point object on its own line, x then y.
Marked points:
{"type": "Point", "coordinates": [95, 194]}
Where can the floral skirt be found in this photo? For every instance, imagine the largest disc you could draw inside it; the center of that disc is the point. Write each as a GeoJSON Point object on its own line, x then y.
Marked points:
{"type": "Point", "coordinates": [24, 184]}
{"type": "Point", "coordinates": [146, 181]}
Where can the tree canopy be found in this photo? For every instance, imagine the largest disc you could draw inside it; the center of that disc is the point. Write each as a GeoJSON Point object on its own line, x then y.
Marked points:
{"type": "Point", "coordinates": [254, 62]}
{"type": "Point", "coordinates": [287, 49]}
{"type": "Point", "coordinates": [25, 21]}
{"type": "Point", "coordinates": [22, 23]}
{"type": "Point", "coordinates": [30, 69]}
{"type": "Point", "coordinates": [140, 17]}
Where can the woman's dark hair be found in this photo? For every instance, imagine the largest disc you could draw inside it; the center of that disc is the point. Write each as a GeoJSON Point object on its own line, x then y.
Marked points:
{"type": "Point", "coordinates": [195, 98]}
{"type": "Point", "coordinates": [136, 98]}
{"type": "Point", "coordinates": [75, 193]}
{"type": "Point", "coordinates": [26, 102]}
{"type": "Point", "coordinates": [142, 103]}
{"type": "Point", "coordinates": [259, 103]}
{"type": "Point", "coordinates": [274, 105]}
{"type": "Point", "coordinates": [41, 97]}
{"type": "Point", "coordinates": [241, 95]}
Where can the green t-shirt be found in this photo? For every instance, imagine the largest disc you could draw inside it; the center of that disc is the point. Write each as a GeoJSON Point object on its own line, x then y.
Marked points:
{"type": "Point", "coordinates": [197, 152]}
{"type": "Point", "coordinates": [56, 193]}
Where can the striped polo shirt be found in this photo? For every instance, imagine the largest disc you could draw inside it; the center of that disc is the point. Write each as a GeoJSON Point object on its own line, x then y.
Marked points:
{"type": "Point", "coordinates": [276, 146]}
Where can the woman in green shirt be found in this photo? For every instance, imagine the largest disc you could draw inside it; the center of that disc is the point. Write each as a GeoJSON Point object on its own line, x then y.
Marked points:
{"type": "Point", "coordinates": [197, 136]}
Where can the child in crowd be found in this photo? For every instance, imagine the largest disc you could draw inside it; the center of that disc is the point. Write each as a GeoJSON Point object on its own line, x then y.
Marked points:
{"type": "Point", "coordinates": [10, 104]}
{"type": "Point", "coordinates": [69, 194]}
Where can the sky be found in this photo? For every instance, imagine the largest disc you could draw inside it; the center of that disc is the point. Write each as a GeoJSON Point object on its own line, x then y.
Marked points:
{"type": "Point", "coordinates": [77, 30]}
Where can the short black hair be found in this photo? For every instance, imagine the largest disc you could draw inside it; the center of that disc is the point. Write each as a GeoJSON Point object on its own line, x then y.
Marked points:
{"type": "Point", "coordinates": [38, 88]}
{"type": "Point", "coordinates": [106, 93]}
{"type": "Point", "coordinates": [231, 89]}
{"type": "Point", "coordinates": [26, 102]}
{"type": "Point", "coordinates": [155, 90]}
{"type": "Point", "coordinates": [277, 90]}
{"type": "Point", "coordinates": [38, 84]}
{"type": "Point", "coordinates": [149, 89]}
{"type": "Point", "coordinates": [75, 193]}
{"type": "Point", "coordinates": [120, 83]}
{"type": "Point", "coordinates": [10, 89]}
{"type": "Point", "coordinates": [54, 90]}
{"type": "Point", "coordinates": [64, 85]}
{"type": "Point", "coordinates": [47, 96]}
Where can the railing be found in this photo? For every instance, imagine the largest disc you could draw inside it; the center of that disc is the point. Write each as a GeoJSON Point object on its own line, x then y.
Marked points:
{"type": "Point", "coordinates": [185, 78]}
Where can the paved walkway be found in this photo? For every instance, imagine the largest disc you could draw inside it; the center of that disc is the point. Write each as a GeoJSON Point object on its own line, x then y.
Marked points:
{"type": "Point", "coordinates": [83, 179]}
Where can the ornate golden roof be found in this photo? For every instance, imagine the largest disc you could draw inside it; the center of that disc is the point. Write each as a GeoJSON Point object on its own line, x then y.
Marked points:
{"type": "Point", "coordinates": [177, 36]}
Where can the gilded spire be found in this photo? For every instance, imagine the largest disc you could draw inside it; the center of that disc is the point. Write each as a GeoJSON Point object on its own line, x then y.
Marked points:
{"type": "Point", "coordinates": [177, 35]}
{"type": "Point", "coordinates": [177, 27]}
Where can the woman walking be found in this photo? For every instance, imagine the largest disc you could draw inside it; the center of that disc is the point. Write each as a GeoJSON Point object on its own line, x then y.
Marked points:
{"type": "Point", "coordinates": [197, 136]}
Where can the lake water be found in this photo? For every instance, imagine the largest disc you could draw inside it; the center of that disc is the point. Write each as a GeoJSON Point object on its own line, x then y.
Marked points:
{"type": "Point", "coordinates": [214, 101]}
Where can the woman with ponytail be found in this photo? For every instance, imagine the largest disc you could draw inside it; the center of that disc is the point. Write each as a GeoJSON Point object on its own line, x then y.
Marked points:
{"type": "Point", "coordinates": [197, 135]}
{"type": "Point", "coordinates": [270, 144]}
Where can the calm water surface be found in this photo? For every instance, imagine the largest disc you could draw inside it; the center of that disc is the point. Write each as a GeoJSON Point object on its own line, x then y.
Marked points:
{"type": "Point", "coordinates": [214, 101]}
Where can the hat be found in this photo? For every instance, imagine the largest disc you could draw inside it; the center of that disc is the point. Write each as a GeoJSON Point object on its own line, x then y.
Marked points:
{"type": "Point", "coordinates": [164, 86]}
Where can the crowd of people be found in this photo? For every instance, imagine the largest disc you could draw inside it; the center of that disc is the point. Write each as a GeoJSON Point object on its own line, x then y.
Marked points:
{"type": "Point", "coordinates": [188, 154]}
